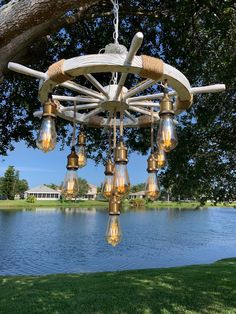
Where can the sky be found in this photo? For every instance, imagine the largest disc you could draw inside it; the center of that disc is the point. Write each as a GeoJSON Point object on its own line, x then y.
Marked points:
{"type": "Point", "coordinates": [40, 168]}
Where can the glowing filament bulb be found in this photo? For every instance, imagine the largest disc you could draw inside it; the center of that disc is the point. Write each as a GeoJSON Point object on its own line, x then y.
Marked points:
{"type": "Point", "coordinates": [160, 158]}
{"type": "Point", "coordinates": [70, 185]}
{"type": "Point", "coordinates": [47, 137]}
{"type": "Point", "coordinates": [167, 137]}
{"type": "Point", "coordinates": [82, 156]}
{"type": "Point", "coordinates": [107, 186]}
{"type": "Point", "coordinates": [152, 190]}
{"type": "Point", "coordinates": [113, 234]}
{"type": "Point", "coordinates": [121, 182]}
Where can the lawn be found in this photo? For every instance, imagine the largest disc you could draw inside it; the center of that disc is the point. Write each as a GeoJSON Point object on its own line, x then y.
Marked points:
{"type": "Point", "coordinates": [14, 204]}
{"type": "Point", "coordinates": [19, 204]}
{"type": "Point", "coordinates": [191, 289]}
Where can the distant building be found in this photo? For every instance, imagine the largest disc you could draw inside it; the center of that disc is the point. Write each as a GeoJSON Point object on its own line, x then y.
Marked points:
{"type": "Point", "coordinates": [92, 193]}
{"type": "Point", "coordinates": [140, 194]}
{"type": "Point", "coordinates": [42, 192]}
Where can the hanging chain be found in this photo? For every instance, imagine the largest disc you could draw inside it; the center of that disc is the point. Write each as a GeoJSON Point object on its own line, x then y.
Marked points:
{"type": "Point", "coordinates": [116, 20]}
{"type": "Point", "coordinates": [115, 3]}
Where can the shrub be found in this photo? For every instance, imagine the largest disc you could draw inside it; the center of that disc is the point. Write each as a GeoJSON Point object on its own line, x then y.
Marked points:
{"type": "Point", "coordinates": [137, 202]}
{"type": "Point", "coordinates": [31, 199]}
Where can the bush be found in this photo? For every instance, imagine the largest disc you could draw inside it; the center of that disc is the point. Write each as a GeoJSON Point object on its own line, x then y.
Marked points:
{"type": "Point", "coordinates": [31, 199]}
{"type": "Point", "coordinates": [137, 202]}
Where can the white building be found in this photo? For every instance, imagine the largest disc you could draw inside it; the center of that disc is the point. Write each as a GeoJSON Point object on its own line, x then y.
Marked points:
{"type": "Point", "coordinates": [140, 194]}
{"type": "Point", "coordinates": [92, 193]}
{"type": "Point", "coordinates": [42, 192]}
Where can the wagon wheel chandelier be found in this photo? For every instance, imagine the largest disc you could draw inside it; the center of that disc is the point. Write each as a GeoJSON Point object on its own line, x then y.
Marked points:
{"type": "Point", "coordinates": [114, 107]}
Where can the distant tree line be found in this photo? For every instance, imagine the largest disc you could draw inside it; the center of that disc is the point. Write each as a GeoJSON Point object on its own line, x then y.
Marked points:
{"type": "Point", "coordinates": [11, 184]}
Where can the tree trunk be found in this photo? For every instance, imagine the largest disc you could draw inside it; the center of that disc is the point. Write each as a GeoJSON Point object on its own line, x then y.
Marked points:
{"type": "Point", "coordinates": [22, 22]}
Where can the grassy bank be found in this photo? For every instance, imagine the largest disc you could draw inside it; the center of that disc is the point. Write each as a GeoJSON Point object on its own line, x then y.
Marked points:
{"type": "Point", "coordinates": [160, 204]}
{"type": "Point", "coordinates": [192, 289]}
{"type": "Point", "coordinates": [8, 204]}
{"type": "Point", "coordinates": [19, 204]}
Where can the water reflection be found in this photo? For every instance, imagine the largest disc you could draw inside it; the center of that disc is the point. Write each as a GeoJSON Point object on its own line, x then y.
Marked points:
{"type": "Point", "coordinates": [79, 210]}
{"type": "Point", "coordinates": [72, 240]}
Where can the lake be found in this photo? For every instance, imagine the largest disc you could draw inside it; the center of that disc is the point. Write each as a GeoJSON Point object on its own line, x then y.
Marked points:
{"type": "Point", "coordinates": [49, 241]}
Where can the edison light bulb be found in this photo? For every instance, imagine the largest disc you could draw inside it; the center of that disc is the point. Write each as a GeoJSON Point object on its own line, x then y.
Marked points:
{"type": "Point", "coordinates": [107, 186]}
{"type": "Point", "coordinates": [47, 137]}
{"type": "Point", "coordinates": [81, 150]}
{"type": "Point", "coordinates": [121, 182]}
{"type": "Point", "coordinates": [167, 137]}
{"type": "Point", "coordinates": [160, 158]}
{"type": "Point", "coordinates": [70, 185]}
{"type": "Point", "coordinates": [152, 190]}
{"type": "Point", "coordinates": [113, 234]}
{"type": "Point", "coordinates": [82, 158]}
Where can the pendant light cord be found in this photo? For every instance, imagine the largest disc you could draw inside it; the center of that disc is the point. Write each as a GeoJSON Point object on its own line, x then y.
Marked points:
{"type": "Point", "coordinates": [74, 125]}
{"type": "Point", "coordinates": [121, 125]}
{"type": "Point", "coordinates": [114, 131]}
{"type": "Point", "coordinates": [109, 139]}
{"type": "Point", "coordinates": [152, 150]}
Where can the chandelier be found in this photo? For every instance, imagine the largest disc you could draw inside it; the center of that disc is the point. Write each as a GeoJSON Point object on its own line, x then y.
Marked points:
{"type": "Point", "coordinates": [113, 107]}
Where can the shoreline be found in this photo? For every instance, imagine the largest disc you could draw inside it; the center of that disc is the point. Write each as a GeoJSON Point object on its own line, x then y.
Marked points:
{"type": "Point", "coordinates": [22, 204]}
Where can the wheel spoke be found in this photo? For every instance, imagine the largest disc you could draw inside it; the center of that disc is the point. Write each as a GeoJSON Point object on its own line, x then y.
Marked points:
{"type": "Point", "coordinates": [145, 104]}
{"type": "Point", "coordinates": [144, 111]}
{"type": "Point", "coordinates": [92, 113]}
{"type": "Point", "coordinates": [83, 90]}
{"type": "Point", "coordinates": [75, 98]}
{"type": "Point", "coordinates": [80, 107]}
{"type": "Point", "coordinates": [139, 87]}
{"type": "Point", "coordinates": [96, 84]}
{"type": "Point", "coordinates": [129, 115]}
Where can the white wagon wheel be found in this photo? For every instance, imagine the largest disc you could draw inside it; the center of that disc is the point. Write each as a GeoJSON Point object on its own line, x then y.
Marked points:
{"type": "Point", "coordinates": [115, 97]}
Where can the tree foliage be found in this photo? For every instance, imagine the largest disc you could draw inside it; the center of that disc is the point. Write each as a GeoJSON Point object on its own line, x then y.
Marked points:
{"type": "Point", "coordinates": [10, 184]}
{"type": "Point", "coordinates": [196, 37]}
{"type": "Point", "coordinates": [138, 187]}
{"type": "Point", "coordinates": [83, 187]}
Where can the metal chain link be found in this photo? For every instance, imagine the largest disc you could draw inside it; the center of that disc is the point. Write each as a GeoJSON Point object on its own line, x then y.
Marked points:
{"type": "Point", "coordinates": [115, 3]}
{"type": "Point", "coordinates": [116, 20]}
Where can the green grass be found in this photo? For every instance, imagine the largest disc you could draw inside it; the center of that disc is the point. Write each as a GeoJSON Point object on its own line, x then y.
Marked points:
{"type": "Point", "coordinates": [19, 204]}
{"type": "Point", "coordinates": [162, 204]}
{"type": "Point", "coordinates": [192, 289]}
{"type": "Point", "coordinates": [14, 204]}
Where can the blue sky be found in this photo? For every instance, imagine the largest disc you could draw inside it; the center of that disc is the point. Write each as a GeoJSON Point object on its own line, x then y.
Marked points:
{"type": "Point", "coordinates": [38, 168]}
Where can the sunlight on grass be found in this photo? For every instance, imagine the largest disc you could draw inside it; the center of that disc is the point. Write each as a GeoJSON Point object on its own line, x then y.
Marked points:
{"type": "Point", "coordinates": [188, 290]}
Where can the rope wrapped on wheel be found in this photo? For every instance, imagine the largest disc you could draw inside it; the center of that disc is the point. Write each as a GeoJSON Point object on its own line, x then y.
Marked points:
{"type": "Point", "coordinates": [57, 74]}
{"type": "Point", "coordinates": [153, 68]}
{"type": "Point", "coordinates": [182, 105]}
{"type": "Point", "coordinates": [95, 122]}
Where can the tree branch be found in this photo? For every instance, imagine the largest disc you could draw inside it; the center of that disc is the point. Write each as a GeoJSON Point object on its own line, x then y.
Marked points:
{"type": "Point", "coordinates": [17, 17]}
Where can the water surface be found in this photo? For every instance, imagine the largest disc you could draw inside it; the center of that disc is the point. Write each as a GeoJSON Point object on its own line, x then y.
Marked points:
{"type": "Point", "coordinates": [49, 241]}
